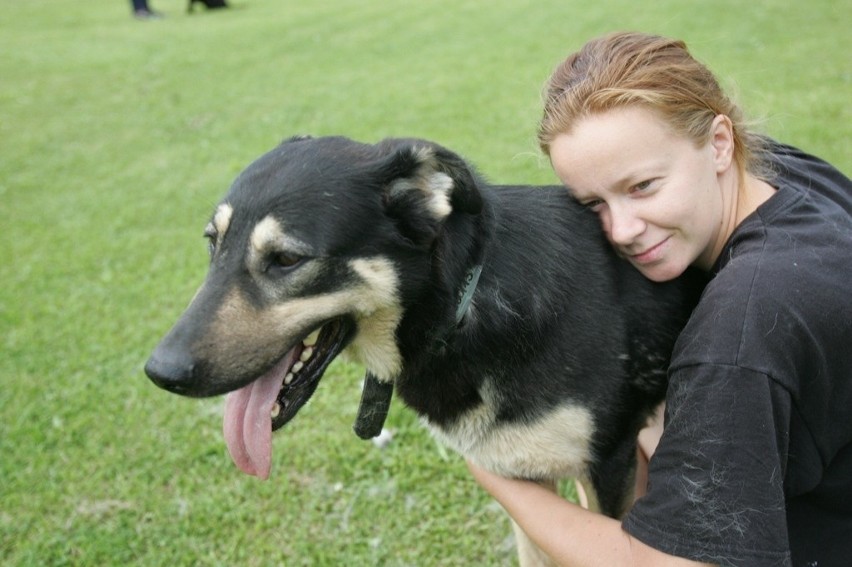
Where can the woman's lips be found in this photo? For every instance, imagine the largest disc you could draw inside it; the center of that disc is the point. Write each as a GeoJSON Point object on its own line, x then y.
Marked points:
{"type": "Point", "coordinates": [651, 254]}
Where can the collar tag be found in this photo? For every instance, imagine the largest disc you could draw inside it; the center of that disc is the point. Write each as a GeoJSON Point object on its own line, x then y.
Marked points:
{"type": "Point", "coordinates": [374, 406]}
{"type": "Point", "coordinates": [471, 279]}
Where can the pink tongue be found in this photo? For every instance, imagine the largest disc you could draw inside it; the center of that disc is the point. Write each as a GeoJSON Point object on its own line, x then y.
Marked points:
{"type": "Point", "coordinates": [248, 424]}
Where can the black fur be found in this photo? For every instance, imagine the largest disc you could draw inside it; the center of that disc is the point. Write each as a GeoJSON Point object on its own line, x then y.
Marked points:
{"type": "Point", "coordinates": [556, 316]}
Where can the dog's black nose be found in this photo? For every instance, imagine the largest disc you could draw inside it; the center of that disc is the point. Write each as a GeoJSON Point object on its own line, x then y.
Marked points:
{"type": "Point", "coordinates": [171, 371]}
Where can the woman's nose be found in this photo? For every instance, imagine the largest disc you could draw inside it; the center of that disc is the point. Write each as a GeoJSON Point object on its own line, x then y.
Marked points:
{"type": "Point", "coordinates": [623, 225]}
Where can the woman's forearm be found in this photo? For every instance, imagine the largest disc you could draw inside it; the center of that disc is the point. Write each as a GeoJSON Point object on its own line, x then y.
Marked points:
{"type": "Point", "coordinates": [570, 534]}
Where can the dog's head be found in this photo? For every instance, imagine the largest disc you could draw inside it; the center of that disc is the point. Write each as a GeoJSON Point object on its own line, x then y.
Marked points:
{"type": "Point", "coordinates": [306, 252]}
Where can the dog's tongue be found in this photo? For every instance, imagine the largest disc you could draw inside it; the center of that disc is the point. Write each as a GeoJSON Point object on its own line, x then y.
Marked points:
{"type": "Point", "coordinates": [248, 423]}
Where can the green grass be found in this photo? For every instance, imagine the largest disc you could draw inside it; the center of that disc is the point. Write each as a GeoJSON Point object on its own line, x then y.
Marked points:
{"type": "Point", "coordinates": [117, 137]}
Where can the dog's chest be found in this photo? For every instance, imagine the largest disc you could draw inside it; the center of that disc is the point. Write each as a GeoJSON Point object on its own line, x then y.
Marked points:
{"type": "Point", "coordinates": [554, 445]}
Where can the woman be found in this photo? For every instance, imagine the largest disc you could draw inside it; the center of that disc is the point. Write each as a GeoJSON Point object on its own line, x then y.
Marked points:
{"type": "Point", "coordinates": [754, 466]}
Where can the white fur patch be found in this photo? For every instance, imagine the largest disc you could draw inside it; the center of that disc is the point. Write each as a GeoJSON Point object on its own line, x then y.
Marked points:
{"type": "Point", "coordinates": [222, 219]}
{"type": "Point", "coordinates": [553, 446]}
{"type": "Point", "coordinates": [266, 232]}
{"type": "Point", "coordinates": [440, 186]}
{"type": "Point", "coordinates": [268, 236]}
{"type": "Point", "coordinates": [435, 185]}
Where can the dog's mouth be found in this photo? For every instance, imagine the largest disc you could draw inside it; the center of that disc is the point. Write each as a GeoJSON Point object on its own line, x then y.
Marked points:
{"type": "Point", "coordinates": [253, 412]}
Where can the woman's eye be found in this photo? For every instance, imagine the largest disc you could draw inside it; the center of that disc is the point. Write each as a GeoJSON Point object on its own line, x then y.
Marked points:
{"type": "Point", "coordinates": [641, 186]}
{"type": "Point", "coordinates": [594, 205]}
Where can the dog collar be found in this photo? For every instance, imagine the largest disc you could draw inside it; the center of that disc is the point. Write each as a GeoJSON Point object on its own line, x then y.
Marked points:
{"type": "Point", "coordinates": [471, 280]}
{"type": "Point", "coordinates": [376, 395]}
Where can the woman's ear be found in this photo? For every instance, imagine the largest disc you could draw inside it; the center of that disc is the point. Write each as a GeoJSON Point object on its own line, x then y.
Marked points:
{"type": "Point", "coordinates": [722, 141]}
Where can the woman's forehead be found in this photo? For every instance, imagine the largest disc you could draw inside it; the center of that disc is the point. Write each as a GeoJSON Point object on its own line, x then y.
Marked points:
{"type": "Point", "coordinates": [607, 149]}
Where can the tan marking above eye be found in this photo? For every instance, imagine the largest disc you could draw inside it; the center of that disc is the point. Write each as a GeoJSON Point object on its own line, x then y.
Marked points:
{"type": "Point", "coordinates": [266, 233]}
{"type": "Point", "coordinates": [222, 220]}
{"type": "Point", "coordinates": [269, 242]}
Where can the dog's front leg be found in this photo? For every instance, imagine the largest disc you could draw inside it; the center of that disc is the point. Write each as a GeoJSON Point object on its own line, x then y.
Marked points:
{"type": "Point", "coordinates": [529, 554]}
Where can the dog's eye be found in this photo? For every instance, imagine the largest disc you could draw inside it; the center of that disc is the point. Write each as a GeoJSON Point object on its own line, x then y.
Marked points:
{"type": "Point", "coordinates": [284, 260]}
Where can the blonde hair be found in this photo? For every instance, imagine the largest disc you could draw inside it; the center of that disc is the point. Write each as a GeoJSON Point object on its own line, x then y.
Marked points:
{"type": "Point", "coordinates": [655, 72]}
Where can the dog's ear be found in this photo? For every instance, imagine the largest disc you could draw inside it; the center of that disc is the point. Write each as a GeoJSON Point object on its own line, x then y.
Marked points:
{"type": "Point", "coordinates": [422, 185]}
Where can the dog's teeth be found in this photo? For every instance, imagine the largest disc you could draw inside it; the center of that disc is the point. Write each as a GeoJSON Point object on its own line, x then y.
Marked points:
{"type": "Point", "coordinates": [288, 378]}
{"type": "Point", "coordinates": [298, 366]}
{"type": "Point", "coordinates": [276, 409]}
{"type": "Point", "coordinates": [306, 354]}
{"type": "Point", "coordinates": [311, 339]}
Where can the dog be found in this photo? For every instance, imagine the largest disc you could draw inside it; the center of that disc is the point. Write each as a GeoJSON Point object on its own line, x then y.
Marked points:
{"type": "Point", "coordinates": [499, 314]}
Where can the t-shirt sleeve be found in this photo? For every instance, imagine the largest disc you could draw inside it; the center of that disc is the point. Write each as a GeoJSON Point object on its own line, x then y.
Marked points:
{"type": "Point", "coordinates": [716, 488]}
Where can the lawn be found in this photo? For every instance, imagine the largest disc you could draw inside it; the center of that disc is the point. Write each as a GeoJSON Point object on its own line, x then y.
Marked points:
{"type": "Point", "coordinates": [117, 137]}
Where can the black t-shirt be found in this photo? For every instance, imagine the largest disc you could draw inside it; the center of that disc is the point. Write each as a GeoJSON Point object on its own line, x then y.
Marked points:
{"type": "Point", "coordinates": [755, 464]}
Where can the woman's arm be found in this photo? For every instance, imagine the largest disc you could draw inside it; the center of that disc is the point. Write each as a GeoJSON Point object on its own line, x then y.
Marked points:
{"type": "Point", "coordinates": [571, 535]}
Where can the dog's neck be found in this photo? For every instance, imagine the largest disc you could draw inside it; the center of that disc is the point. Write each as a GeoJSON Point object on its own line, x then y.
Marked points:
{"type": "Point", "coordinates": [376, 395]}
{"type": "Point", "coordinates": [466, 279]}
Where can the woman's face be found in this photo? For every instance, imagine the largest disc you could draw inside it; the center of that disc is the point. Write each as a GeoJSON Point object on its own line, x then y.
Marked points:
{"type": "Point", "coordinates": [659, 196]}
